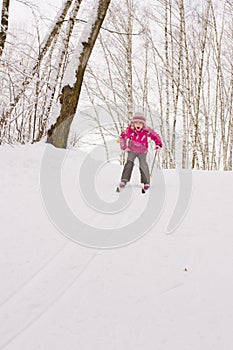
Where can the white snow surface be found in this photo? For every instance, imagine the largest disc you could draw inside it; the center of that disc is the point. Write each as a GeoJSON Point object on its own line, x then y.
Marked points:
{"type": "Point", "coordinates": [165, 292]}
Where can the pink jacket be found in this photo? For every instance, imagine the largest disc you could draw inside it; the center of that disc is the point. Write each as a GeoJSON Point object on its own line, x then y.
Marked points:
{"type": "Point", "coordinates": [137, 141]}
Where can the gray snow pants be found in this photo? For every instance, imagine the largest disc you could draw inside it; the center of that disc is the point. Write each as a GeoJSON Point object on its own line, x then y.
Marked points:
{"type": "Point", "coordinates": [143, 166]}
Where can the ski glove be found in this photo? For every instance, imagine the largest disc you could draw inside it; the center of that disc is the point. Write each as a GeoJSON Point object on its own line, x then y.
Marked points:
{"type": "Point", "coordinates": [123, 144]}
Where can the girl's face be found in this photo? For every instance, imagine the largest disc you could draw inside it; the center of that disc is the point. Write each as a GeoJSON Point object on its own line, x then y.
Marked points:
{"type": "Point", "coordinates": [138, 125]}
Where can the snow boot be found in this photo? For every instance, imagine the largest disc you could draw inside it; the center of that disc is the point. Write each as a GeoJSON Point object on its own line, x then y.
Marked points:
{"type": "Point", "coordinates": [145, 188]}
{"type": "Point", "coordinates": [121, 186]}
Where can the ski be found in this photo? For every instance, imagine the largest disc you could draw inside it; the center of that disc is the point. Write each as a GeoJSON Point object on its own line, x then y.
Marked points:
{"type": "Point", "coordinates": [118, 190]}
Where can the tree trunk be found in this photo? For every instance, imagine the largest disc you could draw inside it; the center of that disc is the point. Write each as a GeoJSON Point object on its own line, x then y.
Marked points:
{"type": "Point", "coordinates": [129, 76]}
{"type": "Point", "coordinates": [59, 132]}
{"type": "Point", "coordinates": [4, 24]}
{"type": "Point", "coordinates": [197, 135]}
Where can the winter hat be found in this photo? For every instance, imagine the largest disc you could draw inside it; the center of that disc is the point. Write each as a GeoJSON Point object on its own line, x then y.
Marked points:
{"type": "Point", "coordinates": [139, 118]}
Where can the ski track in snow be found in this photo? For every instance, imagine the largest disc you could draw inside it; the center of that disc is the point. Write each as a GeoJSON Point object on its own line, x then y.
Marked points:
{"type": "Point", "coordinates": [165, 292]}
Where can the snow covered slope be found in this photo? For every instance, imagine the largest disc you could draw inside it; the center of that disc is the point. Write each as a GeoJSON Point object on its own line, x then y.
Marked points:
{"type": "Point", "coordinates": [163, 291]}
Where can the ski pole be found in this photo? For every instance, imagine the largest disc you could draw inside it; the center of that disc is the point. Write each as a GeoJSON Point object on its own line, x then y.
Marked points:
{"type": "Point", "coordinates": [122, 161]}
{"type": "Point", "coordinates": [153, 163]}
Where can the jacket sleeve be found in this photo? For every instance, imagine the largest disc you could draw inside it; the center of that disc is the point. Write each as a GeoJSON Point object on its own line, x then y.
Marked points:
{"type": "Point", "coordinates": [155, 137]}
{"type": "Point", "coordinates": [124, 136]}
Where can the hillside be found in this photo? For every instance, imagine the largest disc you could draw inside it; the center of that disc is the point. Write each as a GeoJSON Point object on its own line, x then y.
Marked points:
{"type": "Point", "coordinates": [163, 291]}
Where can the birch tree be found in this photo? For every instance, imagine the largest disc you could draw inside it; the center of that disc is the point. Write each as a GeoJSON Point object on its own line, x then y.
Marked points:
{"type": "Point", "coordinates": [172, 58]}
{"type": "Point", "coordinates": [4, 24]}
{"type": "Point", "coordinates": [45, 46]}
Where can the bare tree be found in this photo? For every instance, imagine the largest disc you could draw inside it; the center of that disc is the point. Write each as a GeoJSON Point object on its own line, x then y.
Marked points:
{"type": "Point", "coordinates": [178, 68]}
{"type": "Point", "coordinates": [45, 46]}
{"type": "Point", "coordinates": [4, 24]}
{"type": "Point", "coordinates": [59, 132]}
{"type": "Point", "coordinates": [58, 66]}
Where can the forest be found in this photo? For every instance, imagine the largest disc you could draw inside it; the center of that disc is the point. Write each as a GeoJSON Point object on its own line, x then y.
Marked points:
{"type": "Point", "coordinates": [170, 59]}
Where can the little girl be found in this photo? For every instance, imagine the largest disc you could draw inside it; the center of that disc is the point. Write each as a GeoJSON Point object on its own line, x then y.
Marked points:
{"type": "Point", "coordinates": [135, 141]}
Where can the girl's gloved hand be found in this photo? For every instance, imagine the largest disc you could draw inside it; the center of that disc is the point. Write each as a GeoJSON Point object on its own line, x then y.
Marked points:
{"type": "Point", "coordinates": [123, 144]}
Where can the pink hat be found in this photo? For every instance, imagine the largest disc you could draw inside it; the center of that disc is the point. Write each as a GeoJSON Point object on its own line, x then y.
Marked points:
{"type": "Point", "coordinates": [139, 118]}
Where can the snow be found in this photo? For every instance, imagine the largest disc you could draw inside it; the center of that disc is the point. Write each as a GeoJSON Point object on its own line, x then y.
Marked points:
{"type": "Point", "coordinates": [70, 73]}
{"type": "Point", "coordinates": [163, 291]}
